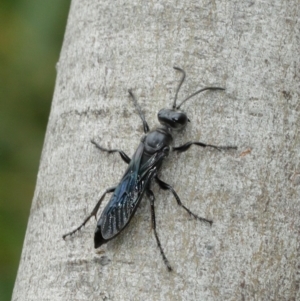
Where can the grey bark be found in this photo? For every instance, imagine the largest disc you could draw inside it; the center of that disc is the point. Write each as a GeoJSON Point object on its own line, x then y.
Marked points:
{"type": "Point", "coordinates": [252, 250]}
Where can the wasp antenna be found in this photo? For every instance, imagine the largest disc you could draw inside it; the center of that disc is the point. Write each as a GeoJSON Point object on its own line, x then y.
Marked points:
{"type": "Point", "coordinates": [180, 83]}
{"type": "Point", "coordinates": [197, 92]}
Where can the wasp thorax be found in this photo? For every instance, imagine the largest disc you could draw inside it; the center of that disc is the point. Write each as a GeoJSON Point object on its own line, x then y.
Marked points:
{"type": "Point", "coordinates": [174, 119]}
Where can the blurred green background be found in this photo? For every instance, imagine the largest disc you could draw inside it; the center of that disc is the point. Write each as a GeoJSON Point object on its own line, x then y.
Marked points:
{"type": "Point", "coordinates": [31, 35]}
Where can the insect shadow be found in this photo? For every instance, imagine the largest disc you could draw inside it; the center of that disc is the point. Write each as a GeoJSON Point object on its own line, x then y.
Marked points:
{"type": "Point", "coordinates": [142, 169]}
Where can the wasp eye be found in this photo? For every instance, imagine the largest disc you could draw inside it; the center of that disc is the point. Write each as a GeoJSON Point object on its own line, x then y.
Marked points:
{"type": "Point", "coordinates": [181, 119]}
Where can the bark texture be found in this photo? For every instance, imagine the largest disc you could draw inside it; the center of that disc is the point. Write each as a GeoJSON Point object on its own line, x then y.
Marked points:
{"type": "Point", "coordinates": [252, 250]}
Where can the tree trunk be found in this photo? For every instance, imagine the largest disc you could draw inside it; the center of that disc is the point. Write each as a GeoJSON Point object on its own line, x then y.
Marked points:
{"type": "Point", "coordinates": [251, 252]}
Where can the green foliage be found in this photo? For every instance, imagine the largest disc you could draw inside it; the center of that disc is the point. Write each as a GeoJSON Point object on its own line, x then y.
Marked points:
{"type": "Point", "coordinates": [30, 40]}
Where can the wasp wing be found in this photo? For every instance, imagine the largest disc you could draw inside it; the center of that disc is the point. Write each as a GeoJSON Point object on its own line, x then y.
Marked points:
{"type": "Point", "coordinates": [127, 196]}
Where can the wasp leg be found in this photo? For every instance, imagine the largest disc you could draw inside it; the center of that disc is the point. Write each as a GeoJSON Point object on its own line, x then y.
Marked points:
{"type": "Point", "coordinates": [166, 186]}
{"type": "Point", "coordinates": [186, 146]}
{"type": "Point", "coordinates": [124, 157]}
{"type": "Point", "coordinates": [138, 108]}
{"type": "Point", "coordinates": [150, 194]}
{"type": "Point", "coordinates": [93, 213]}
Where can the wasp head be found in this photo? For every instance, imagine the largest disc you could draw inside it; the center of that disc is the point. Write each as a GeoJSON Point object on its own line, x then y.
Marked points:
{"type": "Point", "coordinates": [174, 119]}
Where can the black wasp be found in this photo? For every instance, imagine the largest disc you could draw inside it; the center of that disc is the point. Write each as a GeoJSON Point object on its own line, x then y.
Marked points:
{"type": "Point", "coordinates": [142, 168]}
